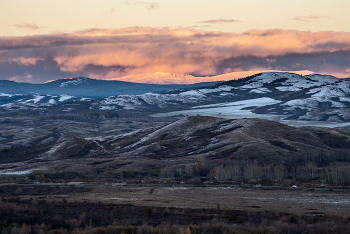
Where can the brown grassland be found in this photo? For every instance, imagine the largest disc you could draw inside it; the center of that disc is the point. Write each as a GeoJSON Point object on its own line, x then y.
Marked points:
{"type": "Point", "coordinates": [120, 208]}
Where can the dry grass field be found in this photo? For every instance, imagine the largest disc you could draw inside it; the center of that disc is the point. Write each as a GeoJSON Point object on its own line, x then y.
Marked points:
{"type": "Point", "coordinates": [116, 208]}
{"type": "Point", "coordinates": [292, 201]}
{"type": "Point", "coordinates": [229, 198]}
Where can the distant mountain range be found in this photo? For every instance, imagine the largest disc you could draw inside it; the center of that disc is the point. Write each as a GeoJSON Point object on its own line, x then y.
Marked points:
{"type": "Point", "coordinates": [272, 95]}
{"type": "Point", "coordinates": [164, 78]}
{"type": "Point", "coordinates": [178, 78]}
{"type": "Point", "coordinates": [89, 88]}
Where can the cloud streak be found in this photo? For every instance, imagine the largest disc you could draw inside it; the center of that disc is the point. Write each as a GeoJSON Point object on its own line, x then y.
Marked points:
{"type": "Point", "coordinates": [108, 53]}
{"type": "Point", "coordinates": [29, 26]}
{"type": "Point", "coordinates": [310, 17]}
{"type": "Point", "coordinates": [112, 10]}
{"type": "Point", "coordinates": [148, 5]}
{"type": "Point", "coordinates": [219, 21]}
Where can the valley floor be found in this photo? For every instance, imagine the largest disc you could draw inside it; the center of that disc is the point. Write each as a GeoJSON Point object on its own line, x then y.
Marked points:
{"type": "Point", "coordinates": [113, 208]}
{"type": "Point", "coordinates": [227, 197]}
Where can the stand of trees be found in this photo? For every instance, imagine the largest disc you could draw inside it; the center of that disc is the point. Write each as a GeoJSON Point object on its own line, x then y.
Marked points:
{"type": "Point", "coordinates": [325, 167]}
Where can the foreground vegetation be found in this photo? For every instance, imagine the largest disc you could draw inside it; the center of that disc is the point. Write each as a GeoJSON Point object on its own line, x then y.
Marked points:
{"type": "Point", "coordinates": [43, 216]}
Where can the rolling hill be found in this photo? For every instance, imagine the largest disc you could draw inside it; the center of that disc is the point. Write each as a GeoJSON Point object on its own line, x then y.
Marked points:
{"type": "Point", "coordinates": [187, 141]}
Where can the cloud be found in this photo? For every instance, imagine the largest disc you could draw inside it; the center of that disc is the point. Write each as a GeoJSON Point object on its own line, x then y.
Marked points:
{"type": "Point", "coordinates": [108, 53]}
{"type": "Point", "coordinates": [22, 60]}
{"type": "Point", "coordinates": [310, 17]}
{"type": "Point", "coordinates": [218, 21]}
{"type": "Point", "coordinates": [200, 26]}
{"type": "Point", "coordinates": [112, 10]}
{"type": "Point", "coordinates": [271, 60]}
{"type": "Point", "coordinates": [29, 26]}
{"type": "Point", "coordinates": [24, 78]}
{"type": "Point", "coordinates": [148, 5]}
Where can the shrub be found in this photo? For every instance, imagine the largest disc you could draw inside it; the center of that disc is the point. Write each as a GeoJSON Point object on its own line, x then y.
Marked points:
{"type": "Point", "coordinates": [292, 219]}
{"type": "Point", "coordinates": [169, 182]}
{"type": "Point", "coordinates": [40, 178]}
{"type": "Point", "coordinates": [125, 175]}
{"type": "Point", "coordinates": [65, 175]}
{"type": "Point", "coordinates": [266, 182]}
{"type": "Point", "coordinates": [18, 191]}
{"type": "Point", "coordinates": [148, 211]}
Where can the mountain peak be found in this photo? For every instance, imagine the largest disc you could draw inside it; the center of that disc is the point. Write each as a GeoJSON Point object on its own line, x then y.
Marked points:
{"type": "Point", "coordinates": [160, 78]}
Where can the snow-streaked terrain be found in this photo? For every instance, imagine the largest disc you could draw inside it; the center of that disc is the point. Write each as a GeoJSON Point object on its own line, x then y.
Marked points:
{"type": "Point", "coordinates": [35, 101]}
{"type": "Point", "coordinates": [324, 100]}
{"type": "Point", "coordinates": [232, 110]}
{"type": "Point", "coordinates": [71, 81]}
{"type": "Point", "coordinates": [271, 95]}
{"type": "Point", "coordinates": [64, 97]}
{"type": "Point", "coordinates": [129, 102]}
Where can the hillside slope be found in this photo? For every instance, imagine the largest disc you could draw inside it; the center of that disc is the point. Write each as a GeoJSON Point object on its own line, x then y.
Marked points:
{"type": "Point", "coordinates": [184, 142]}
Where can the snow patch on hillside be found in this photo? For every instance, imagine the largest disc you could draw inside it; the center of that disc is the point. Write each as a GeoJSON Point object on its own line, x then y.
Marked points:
{"type": "Point", "coordinates": [65, 97]}
{"type": "Point", "coordinates": [172, 128]}
{"type": "Point", "coordinates": [128, 102]}
{"type": "Point", "coordinates": [13, 172]}
{"type": "Point", "coordinates": [73, 81]}
{"type": "Point", "coordinates": [231, 110]}
{"type": "Point", "coordinates": [300, 103]}
{"type": "Point", "coordinates": [288, 89]}
{"type": "Point", "coordinates": [260, 90]}
{"type": "Point", "coordinates": [289, 81]}
{"type": "Point", "coordinates": [5, 95]}
{"type": "Point", "coordinates": [36, 99]}
{"type": "Point", "coordinates": [220, 89]}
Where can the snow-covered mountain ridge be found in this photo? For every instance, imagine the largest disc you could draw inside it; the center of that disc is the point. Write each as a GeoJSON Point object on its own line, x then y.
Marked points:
{"type": "Point", "coordinates": [313, 97]}
{"type": "Point", "coordinates": [271, 95]}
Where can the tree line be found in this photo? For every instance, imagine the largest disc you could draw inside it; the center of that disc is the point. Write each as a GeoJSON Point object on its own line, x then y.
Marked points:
{"type": "Point", "coordinates": [324, 167]}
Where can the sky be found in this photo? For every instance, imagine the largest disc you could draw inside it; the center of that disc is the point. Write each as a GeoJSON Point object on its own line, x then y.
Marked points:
{"type": "Point", "coordinates": [44, 40]}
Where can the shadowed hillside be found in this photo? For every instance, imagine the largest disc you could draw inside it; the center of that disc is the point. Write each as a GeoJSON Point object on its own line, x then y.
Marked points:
{"type": "Point", "coordinates": [199, 140]}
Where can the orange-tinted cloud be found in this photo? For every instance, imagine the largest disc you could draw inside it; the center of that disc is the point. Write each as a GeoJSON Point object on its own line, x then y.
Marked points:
{"type": "Point", "coordinates": [109, 53]}
{"type": "Point", "coordinates": [29, 26]}
{"type": "Point", "coordinates": [24, 78]}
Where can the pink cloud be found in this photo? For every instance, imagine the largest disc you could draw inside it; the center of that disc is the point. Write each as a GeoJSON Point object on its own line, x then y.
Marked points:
{"type": "Point", "coordinates": [24, 78]}
{"type": "Point", "coordinates": [24, 61]}
{"type": "Point", "coordinates": [109, 53]}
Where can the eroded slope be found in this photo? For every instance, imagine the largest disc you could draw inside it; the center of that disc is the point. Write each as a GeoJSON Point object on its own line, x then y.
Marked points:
{"type": "Point", "coordinates": [186, 141]}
